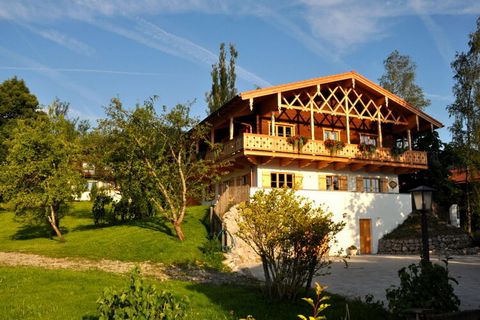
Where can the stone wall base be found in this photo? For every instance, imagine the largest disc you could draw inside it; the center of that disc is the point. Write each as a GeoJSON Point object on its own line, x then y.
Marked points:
{"type": "Point", "coordinates": [443, 244]}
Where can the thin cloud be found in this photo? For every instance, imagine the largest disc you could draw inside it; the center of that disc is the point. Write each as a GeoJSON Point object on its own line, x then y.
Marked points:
{"type": "Point", "coordinates": [57, 78]}
{"type": "Point", "coordinates": [441, 42]}
{"type": "Point", "coordinates": [79, 70]}
{"type": "Point", "coordinates": [63, 40]}
{"type": "Point", "coordinates": [156, 38]}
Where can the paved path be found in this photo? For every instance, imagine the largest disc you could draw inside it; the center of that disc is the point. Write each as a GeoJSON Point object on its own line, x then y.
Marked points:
{"type": "Point", "coordinates": [373, 274]}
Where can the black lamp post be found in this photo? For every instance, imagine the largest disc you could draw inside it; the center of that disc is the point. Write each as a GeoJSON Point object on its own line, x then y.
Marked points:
{"type": "Point", "coordinates": [422, 199]}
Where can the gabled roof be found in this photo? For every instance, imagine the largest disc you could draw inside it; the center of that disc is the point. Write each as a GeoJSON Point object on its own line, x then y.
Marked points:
{"type": "Point", "coordinates": [352, 75]}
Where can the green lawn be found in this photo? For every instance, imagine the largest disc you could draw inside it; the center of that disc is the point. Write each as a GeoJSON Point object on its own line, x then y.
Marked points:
{"type": "Point", "coordinates": [151, 240]}
{"type": "Point", "coordinates": [33, 293]}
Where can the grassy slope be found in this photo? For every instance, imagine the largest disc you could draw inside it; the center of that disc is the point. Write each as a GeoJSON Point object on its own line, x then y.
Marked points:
{"type": "Point", "coordinates": [139, 241]}
{"type": "Point", "coordinates": [31, 293]}
{"type": "Point", "coordinates": [412, 228]}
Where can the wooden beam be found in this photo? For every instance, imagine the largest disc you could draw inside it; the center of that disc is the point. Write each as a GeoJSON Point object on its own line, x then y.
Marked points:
{"type": "Point", "coordinates": [231, 128]}
{"type": "Point", "coordinates": [357, 166]}
{"type": "Point", "coordinates": [266, 160]}
{"type": "Point", "coordinates": [312, 121]}
{"type": "Point", "coordinates": [380, 137]}
{"type": "Point", "coordinates": [409, 136]}
{"type": "Point", "coordinates": [372, 168]}
{"type": "Point", "coordinates": [252, 159]}
{"type": "Point", "coordinates": [272, 129]}
{"type": "Point", "coordinates": [417, 120]}
{"type": "Point", "coordinates": [257, 124]}
{"type": "Point", "coordinates": [304, 163]}
{"type": "Point", "coordinates": [250, 102]}
{"type": "Point", "coordinates": [323, 164]}
{"type": "Point", "coordinates": [212, 136]}
{"type": "Point", "coordinates": [347, 116]}
{"type": "Point", "coordinates": [340, 165]}
{"type": "Point", "coordinates": [286, 161]}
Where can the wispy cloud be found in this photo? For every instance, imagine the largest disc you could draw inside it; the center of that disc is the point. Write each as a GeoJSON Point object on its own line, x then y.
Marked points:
{"type": "Point", "coordinates": [62, 39]}
{"type": "Point", "coordinates": [80, 70]}
{"type": "Point", "coordinates": [156, 38]}
{"type": "Point", "coordinates": [349, 23]}
{"type": "Point", "coordinates": [58, 78]}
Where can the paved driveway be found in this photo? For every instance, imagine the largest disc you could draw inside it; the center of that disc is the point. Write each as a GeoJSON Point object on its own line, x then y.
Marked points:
{"type": "Point", "coordinates": [374, 273]}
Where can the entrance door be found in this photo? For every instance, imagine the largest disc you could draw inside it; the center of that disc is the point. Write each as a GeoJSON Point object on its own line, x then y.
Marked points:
{"type": "Point", "coordinates": [365, 236]}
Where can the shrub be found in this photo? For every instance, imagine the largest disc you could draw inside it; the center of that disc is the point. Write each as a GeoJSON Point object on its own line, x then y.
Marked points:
{"type": "Point", "coordinates": [140, 301]}
{"type": "Point", "coordinates": [290, 235]}
{"type": "Point", "coordinates": [425, 286]}
{"type": "Point", "coordinates": [98, 210]}
{"type": "Point", "coordinates": [334, 145]}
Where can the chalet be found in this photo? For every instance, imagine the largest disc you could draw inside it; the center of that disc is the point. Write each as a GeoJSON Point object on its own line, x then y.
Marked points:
{"type": "Point", "coordinates": [341, 140]}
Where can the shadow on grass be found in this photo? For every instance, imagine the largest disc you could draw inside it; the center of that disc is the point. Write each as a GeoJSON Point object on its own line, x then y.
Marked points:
{"type": "Point", "coordinates": [34, 231]}
{"type": "Point", "coordinates": [155, 224]}
{"type": "Point", "coordinates": [239, 301]}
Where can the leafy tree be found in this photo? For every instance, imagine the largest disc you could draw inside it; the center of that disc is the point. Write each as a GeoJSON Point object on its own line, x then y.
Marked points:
{"type": "Point", "coordinates": [440, 161]}
{"type": "Point", "coordinates": [290, 235]}
{"type": "Point", "coordinates": [40, 174]}
{"type": "Point", "coordinates": [16, 102]}
{"type": "Point", "coordinates": [160, 151]}
{"type": "Point", "coordinates": [466, 113]}
{"type": "Point", "coordinates": [223, 79]}
{"type": "Point", "coordinates": [399, 78]}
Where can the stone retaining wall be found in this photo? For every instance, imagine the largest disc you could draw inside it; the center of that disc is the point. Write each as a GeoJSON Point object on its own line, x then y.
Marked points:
{"type": "Point", "coordinates": [451, 244]}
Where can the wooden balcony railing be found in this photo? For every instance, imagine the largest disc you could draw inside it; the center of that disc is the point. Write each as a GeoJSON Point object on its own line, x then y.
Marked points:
{"type": "Point", "coordinates": [280, 145]}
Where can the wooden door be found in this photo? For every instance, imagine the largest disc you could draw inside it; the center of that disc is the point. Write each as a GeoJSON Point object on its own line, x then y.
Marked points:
{"type": "Point", "coordinates": [365, 236]}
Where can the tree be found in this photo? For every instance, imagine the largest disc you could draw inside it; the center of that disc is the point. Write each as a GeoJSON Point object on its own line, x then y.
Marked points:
{"type": "Point", "coordinates": [399, 78]}
{"type": "Point", "coordinates": [291, 236]}
{"type": "Point", "coordinates": [223, 79]}
{"type": "Point", "coordinates": [466, 113]}
{"type": "Point", "coordinates": [440, 161]}
{"type": "Point", "coordinates": [40, 174]}
{"type": "Point", "coordinates": [16, 102]}
{"type": "Point", "coordinates": [161, 150]}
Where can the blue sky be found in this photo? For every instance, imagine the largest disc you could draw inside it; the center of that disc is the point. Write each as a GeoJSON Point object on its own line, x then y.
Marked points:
{"type": "Point", "coordinates": [88, 51]}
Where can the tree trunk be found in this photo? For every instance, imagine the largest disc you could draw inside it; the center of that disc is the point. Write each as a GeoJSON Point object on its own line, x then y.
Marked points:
{"type": "Point", "coordinates": [179, 231]}
{"type": "Point", "coordinates": [54, 223]}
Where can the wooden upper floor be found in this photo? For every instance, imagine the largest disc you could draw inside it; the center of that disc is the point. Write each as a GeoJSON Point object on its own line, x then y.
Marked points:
{"type": "Point", "coordinates": [341, 122]}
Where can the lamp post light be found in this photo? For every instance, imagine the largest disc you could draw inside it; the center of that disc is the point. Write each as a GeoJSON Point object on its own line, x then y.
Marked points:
{"type": "Point", "coordinates": [422, 199]}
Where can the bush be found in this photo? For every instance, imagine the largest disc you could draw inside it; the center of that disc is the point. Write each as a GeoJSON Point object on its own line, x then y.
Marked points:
{"type": "Point", "coordinates": [98, 210]}
{"type": "Point", "coordinates": [140, 301]}
{"type": "Point", "coordinates": [290, 235]}
{"type": "Point", "coordinates": [425, 286]}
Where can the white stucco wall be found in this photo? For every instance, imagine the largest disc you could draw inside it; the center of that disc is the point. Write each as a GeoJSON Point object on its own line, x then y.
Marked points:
{"type": "Point", "coordinates": [386, 210]}
{"type": "Point", "coordinates": [310, 176]}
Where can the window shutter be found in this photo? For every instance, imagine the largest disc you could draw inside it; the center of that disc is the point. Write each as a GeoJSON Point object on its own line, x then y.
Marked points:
{"type": "Point", "coordinates": [266, 180]}
{"type": "Point", "coordinates": [322, 183]}
{"type": "Point", "coordinates": [298, 181]}
{"type": "Point", "coordinates": [359, 184]}
{"type": "Point", "coordinates": [343, 183]}
{"type": "Point", "coordinates": [384, 185]}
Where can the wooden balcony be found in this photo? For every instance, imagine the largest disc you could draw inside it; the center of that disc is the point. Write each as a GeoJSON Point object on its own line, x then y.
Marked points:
{"type": "Point", "coordinates": [260, 149]}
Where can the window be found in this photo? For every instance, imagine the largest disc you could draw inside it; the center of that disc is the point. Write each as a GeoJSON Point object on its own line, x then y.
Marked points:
{"type": "Point", "coordinates": [280, 180]}
{"type": "Point", "coordinates": [371, 184]}
{"type": "Point", "coordinates": [331, 134]}
{"type": "Point", "coordinates": [401, 143]}
{"type": "Point", "coordinates": [332, 183]}
{"type": "Point", "coordinates": [284, 130]}
{"type": "Point", "coordinates": [368, 139]}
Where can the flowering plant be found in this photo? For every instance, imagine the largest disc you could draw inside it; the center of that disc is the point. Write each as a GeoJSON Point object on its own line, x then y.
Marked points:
{"type": "Point", "coordinates": [367, 149]}
{"type": "Point", "coordinates": [334, 145]}
{"type": "Point", "coordinates": [297, 141]}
